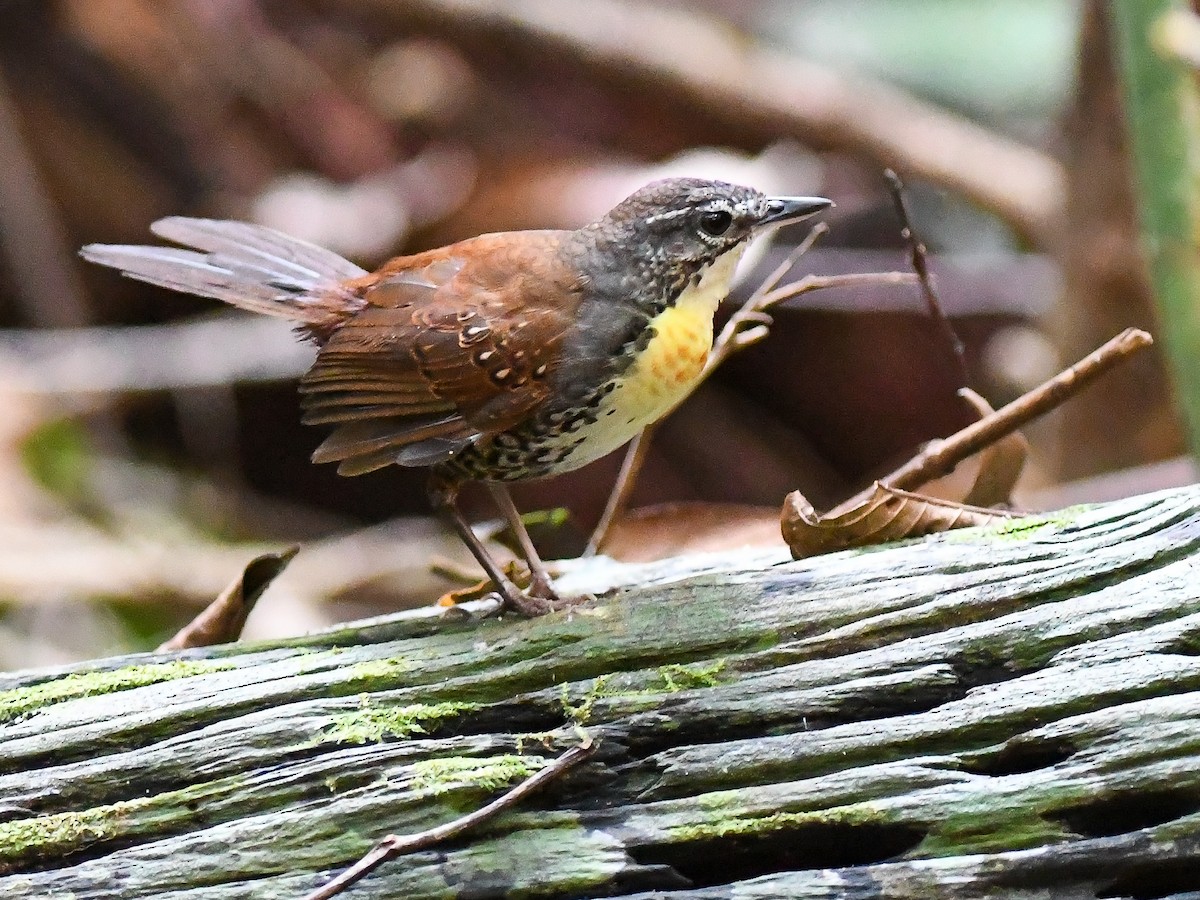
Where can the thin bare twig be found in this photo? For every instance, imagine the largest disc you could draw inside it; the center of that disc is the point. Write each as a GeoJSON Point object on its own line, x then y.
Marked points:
{"type": "Point", "coordinates": [751, 317]}
{"type": "Point", "coordinates": [780, 272]}
{"type": "Point", "coordinates": [396, 845]}
{"type": "Point", "coordinates": [618, 498]}
{"type": "Point", "coordinates": [810, 283]}
{"type": "Point", "coordinates": [749, 325]}
{"type": "Point", "coordinates": [1000, 465]}
{"type": "Point", "coordinates": [919, 256]}
{"type": "Point", "coordinates": [939, 458]}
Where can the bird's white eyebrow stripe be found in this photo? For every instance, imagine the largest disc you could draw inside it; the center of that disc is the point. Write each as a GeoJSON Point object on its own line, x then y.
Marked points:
{"type": "Point", "coordinates": [662, 217]}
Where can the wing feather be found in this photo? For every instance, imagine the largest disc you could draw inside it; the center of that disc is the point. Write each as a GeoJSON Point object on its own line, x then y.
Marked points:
{"type": "Point", "coordinates": [450, 347]}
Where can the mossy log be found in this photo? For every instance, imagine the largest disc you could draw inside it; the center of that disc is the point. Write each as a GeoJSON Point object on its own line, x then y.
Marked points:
{"type": "Point", "coordinates": [1008, 711]}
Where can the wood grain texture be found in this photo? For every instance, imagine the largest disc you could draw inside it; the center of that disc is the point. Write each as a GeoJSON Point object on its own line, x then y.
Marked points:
{"type": "Point", "coordinates": [1011, 711]}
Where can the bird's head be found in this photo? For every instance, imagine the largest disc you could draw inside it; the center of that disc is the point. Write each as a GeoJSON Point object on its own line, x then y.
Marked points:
{"type": "Point", "coordinates": [673, 230]}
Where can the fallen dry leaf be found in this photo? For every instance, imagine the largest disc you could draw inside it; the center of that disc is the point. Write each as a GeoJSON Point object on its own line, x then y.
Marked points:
{"type": "Point", "coordinates": [881, 513]}
{"type": "Point", "coordinates": [222, 620]}
{"type": "Point", "coordinates": [887, 514]}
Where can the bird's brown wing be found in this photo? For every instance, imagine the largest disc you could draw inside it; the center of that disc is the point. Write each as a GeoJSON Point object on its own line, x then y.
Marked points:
{"type": "Point", "coordinates": [453, 346]}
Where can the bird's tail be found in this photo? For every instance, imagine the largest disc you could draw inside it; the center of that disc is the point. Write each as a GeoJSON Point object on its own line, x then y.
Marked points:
{"type": "Point", "coordinates": [248, 266]}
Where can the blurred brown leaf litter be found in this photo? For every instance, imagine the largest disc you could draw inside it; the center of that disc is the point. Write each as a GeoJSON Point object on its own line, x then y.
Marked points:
{"type": "Point", "coordinates": [150, 445]}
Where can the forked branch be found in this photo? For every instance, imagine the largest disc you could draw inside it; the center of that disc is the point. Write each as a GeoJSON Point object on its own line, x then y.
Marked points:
{"type": "Point", "coordinates": [939, 457]}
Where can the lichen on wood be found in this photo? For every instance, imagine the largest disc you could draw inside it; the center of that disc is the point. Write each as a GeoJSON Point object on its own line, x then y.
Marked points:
{"type": "Point", "coordinates": [998, 710]}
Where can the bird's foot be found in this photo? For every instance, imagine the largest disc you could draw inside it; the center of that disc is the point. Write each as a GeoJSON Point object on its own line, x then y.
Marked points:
{"type": "Point", "coordinates": [526, 604]}
{"type": "Point", "coordinates": [541, 586]}
{"type": "Point", "coordinates": [539, 599]}
{"type": "Point", "coordinates": [519, 591]}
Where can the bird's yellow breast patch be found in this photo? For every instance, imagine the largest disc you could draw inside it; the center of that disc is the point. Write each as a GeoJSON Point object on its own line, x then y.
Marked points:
{"type": "Point", "coordinates": [668, 369]}
{"type": "Point", "coordinates": [671, 363]}
{"type": "Point", "coordinates": [670, 366]}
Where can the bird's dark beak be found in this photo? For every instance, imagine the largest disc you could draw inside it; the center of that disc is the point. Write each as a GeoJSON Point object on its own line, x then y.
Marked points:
{"type": "Point", "coordinates": [784, 210]}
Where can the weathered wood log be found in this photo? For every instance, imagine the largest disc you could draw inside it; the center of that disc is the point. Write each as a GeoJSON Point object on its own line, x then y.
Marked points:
{"type": "Point", "coordinates": [1010, 711]}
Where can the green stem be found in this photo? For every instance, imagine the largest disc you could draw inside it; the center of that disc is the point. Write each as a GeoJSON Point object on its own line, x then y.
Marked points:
{"type": "Point", "coordinates": [1160, 111]}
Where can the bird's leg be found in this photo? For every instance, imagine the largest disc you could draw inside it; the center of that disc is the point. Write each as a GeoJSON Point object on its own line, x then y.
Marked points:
{"type": "Point", "coordinates": [541, 585]}
{"type": "Point", "coordinates": [443, 494]}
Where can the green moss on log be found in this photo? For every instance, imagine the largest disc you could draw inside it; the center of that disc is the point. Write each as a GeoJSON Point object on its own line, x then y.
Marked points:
{"type": "Point", "coordinates": [678, 677]}
{"type": "Point", "coordinates": [947, 699]}
{"type": "Point", "coordinates": [59, 834]}
{"type": "Point", "coordinates": [666, 679]}
{"type": "Point", "coordinates": [487, 773]}
{"type": "Point", "coordinates": [376, 670]}
{"type": "Point", "coordinates": [371, 723]}
{"type": "Point", "coordinates": [750, 825]}
{"type": "Point", "coordinates": [992, 829]}
{"type": "Point", "coordinates": [20, 701]}
{"type": "Point", "coordinates": [1021, 527]}
{"type": "Point", "coordinates": [579, 712]}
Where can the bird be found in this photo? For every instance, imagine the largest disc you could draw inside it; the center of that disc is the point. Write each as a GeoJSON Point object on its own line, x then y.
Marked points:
{"type": "Point", "coordinates": [503, 357]}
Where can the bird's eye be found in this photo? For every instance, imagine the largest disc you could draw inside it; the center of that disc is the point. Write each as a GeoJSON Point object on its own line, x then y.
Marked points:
{"type": "Point", "coordinates": [716, 223]}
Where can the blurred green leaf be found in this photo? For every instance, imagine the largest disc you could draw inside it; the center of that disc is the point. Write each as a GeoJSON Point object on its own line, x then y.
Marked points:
{"type": "Point", "coordinates": [57, 456]}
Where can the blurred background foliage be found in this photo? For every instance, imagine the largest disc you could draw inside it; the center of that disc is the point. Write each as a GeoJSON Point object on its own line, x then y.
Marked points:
{"type": "Point", "coordinates": [1009, 64]}
{"type": "Point", "coordinates": [150, 443]}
